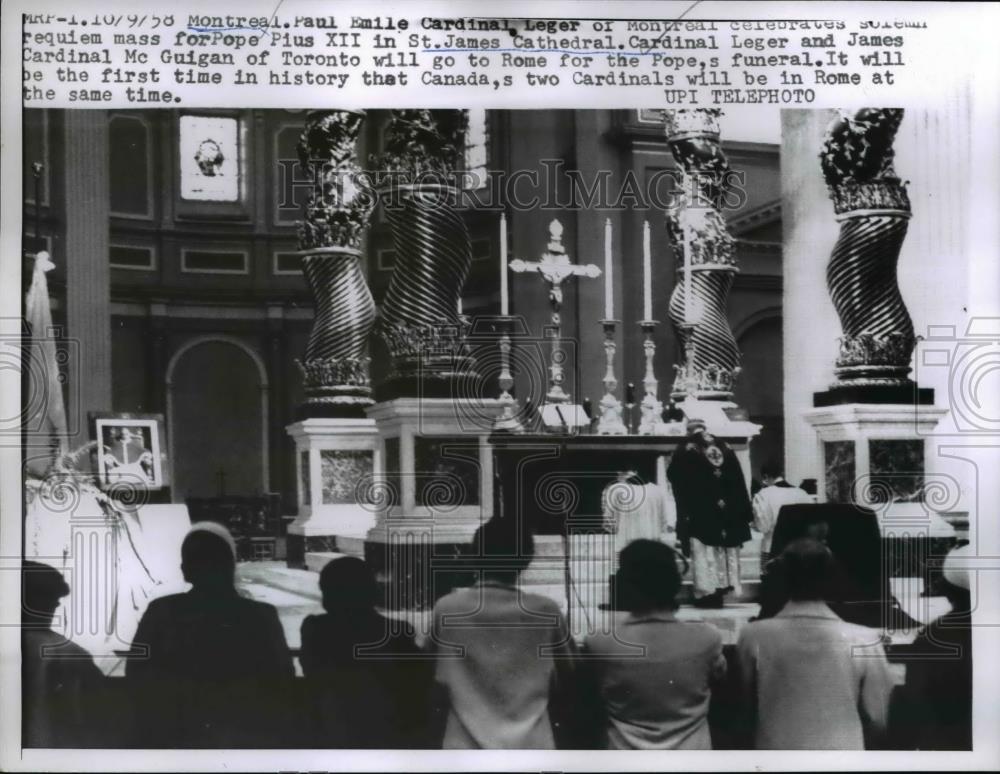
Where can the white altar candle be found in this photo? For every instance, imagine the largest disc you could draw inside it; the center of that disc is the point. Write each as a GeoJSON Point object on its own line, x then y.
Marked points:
{"type": "Point", "coordinates": [504, 291]}
{"type": "Point", "coordinates": [609, 301]}
{"type": "Point", "coordinates": [647, 280]}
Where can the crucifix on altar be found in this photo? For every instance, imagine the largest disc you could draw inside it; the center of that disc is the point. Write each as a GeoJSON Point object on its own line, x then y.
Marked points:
{"type": "Point", "coordinates": [555, 267]}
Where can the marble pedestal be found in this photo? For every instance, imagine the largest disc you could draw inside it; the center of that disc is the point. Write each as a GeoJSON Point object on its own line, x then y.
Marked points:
{"type": "Point", "coordinates": [337, 461]}
{"type": "Point", "coordinates": [435, 490]}
{"type": "Point", "coordinates": [874, 456]}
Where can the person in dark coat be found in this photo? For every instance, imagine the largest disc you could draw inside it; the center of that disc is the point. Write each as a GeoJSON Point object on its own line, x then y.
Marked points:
{"type": "Point", "coordinates": [61, 685]}
{"type": "Point", "coordinates": [937, 696]}
{"type": "Point", "coordinates": [367, 682]}
{"type": "Point", "coordinates": [713, 512]}
{"type": "Point", "coordinates": [209, 668]}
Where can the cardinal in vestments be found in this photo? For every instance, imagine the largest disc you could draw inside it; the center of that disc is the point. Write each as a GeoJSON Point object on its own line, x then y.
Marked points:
{"type": "Point", "coordinates": [713, 512]}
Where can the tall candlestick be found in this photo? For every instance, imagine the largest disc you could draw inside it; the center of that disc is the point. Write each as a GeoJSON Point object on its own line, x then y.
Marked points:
{"type": "Point", "coordinates": [504, 291]}
{"type": "Point", "coordinates": [610, 421]}
{"type": "Point", "coordinates": [609, 302]}
{"type": "Point", "coordinates": [508, 418]}
{"type": "Point", "coordinates": [647, 280]}
{"type": "Point", "coordinates": [651, 408]}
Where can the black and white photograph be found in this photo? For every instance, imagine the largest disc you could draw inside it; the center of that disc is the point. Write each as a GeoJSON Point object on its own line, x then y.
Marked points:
{"type": "Point", "coordinates": [130, 450]}
{"type": "Point", "coordinates": [502, 433]}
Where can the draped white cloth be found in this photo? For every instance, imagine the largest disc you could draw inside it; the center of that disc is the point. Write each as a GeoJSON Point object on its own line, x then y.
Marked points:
{"type": "Point", "coordinates": [113, 565]}
{"type": "Point", "coordinates": [48, 414]}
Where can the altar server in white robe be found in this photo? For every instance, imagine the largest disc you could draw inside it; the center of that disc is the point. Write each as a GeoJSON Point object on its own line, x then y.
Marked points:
{"type": "Point", "coordinates": [638, 511]}
{"type": "Point", "coordinates": [767, 503]}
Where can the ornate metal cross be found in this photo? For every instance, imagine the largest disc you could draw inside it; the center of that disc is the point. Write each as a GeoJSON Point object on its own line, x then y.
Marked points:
{"type": "Point", "coordinates": [555, 267]}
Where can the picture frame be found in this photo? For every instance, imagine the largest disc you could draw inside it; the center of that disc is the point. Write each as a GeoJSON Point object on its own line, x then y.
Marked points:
{"type": "Point", "coordinates": [210, 155]}
{"type": "Point", "coordinates": [131, 450]}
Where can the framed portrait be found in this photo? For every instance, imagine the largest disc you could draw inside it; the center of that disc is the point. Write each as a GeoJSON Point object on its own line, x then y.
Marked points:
{"type": "Point", "coordinates": [210, 158]}
{"type": "Point", "coordinates": [131, 450]}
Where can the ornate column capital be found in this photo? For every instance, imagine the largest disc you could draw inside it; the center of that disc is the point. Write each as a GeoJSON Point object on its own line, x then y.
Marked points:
{"type": "Point", "coordinates": [420, 144]}
{"type": "Point", "coordinates": [341, 200]}
{"type": "Point", "coordinates": [335, 367]}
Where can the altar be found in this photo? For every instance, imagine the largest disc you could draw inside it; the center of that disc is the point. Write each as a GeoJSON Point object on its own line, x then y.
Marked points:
{"type": "Point", "coordinates": [556, 482]}
{"type": "Point", "coordinates": [561, 488]}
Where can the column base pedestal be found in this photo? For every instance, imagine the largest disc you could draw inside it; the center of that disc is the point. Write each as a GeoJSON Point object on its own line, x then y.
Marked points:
{"type": "Point", "coordinates": [337, 460]}
{"type": "Point", "coordinates": [437, 489]}
{"type": "Point", "coordinates": [874, 457]}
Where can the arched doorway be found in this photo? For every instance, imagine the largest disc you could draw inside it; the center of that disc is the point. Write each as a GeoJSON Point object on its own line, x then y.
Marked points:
{"type": "Point", "coordinates": [761, 383]}
{"type": "Point", "coordinates": [217, 416]}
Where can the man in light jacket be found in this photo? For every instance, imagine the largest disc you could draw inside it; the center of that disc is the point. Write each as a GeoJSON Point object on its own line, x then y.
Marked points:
{"type": "Point", "coordinates": [810, 680]}
{"type": "Point", "coordinates": [501, 652]}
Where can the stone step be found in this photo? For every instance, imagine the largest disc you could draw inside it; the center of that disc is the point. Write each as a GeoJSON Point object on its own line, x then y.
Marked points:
{"type": "Point", "coordinates": [553, 570]}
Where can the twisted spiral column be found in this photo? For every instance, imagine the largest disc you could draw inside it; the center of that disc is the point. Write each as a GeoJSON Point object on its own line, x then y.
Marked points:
{"type": "Point", "coordinates": [705, 249]}
{"type": "Point", "coordinates": [335, 367]}
{"type": "Point", "coordinates": [713, 357]}
{"type": "Point", "coordinates": [420, 321]}
{"type": "Point", "coordinates": [874, 210]}
{"type": "Point", "coordinates": [336, 364]}
{"type": "Point", "coordinates": [433, 257]}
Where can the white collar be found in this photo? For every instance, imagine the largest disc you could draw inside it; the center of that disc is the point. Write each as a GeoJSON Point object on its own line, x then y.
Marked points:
{"type": "Point", "coordinates": [806, 608]}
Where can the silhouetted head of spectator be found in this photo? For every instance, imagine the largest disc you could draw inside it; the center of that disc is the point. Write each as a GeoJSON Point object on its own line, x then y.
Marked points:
{"type": "Point", "coordinates": [955, 578]}
{"type": "Point", "coordinates": [648, 577]}
{"type": "Point", "coordinates": [208, 557]}
{"type": "Point", "coordinates": [348, 584]}
{"type": "Point", "coordinates": [43, 587]}
{"type": "Point", "coordinates": [808, 569]}
{"type": "Point", "coordinates": [771, 471]}
{"type": "Point", "coordinates": [502, 549]}
{"type": "Point", "coordinates": [809, 486]}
